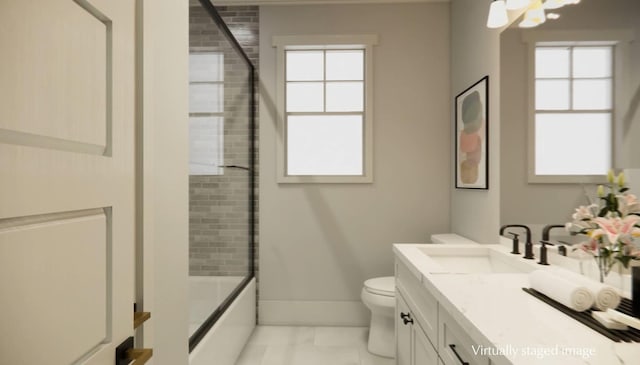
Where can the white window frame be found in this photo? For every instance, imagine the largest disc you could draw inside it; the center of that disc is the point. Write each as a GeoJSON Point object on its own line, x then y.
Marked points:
{"type": "Point", "coordinates": [218, 169]}
{"type": "Point", "coordinates": [325, 42]}
{"type": "Point", "coordinates": [619, 39]}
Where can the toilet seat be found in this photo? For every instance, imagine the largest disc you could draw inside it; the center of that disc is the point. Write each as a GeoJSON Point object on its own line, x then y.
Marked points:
{"type": "Point", "coordinates": [385, 286]}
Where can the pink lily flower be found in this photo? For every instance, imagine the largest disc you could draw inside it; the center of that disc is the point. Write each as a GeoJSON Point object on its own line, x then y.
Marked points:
{"type": "Point", "coordinates": [629, 203]}
{"type": "Point", "coordinates": [617, 227]}
{"type": "Point", "coordinates": [584, 212]}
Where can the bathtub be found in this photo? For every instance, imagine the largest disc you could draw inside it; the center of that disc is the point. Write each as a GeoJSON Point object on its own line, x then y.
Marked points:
{"type": "Point", "coordinates": [224, 342]}
{"type": "Point", "coordinates": [205, 295]}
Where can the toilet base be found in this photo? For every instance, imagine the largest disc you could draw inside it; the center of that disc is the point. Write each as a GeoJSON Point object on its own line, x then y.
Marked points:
{"type": "Point", "coordinates": [382, 341]}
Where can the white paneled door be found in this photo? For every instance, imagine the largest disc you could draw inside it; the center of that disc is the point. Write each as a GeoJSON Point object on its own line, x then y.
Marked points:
{"type": "Point", "coordinates": [66, 180]}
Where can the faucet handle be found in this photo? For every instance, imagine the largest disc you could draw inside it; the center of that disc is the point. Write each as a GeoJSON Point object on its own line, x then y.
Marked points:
{"type": "Point", "coordinates": [516, 243]}
{"type": "Point", "coordinates": [543, 252]}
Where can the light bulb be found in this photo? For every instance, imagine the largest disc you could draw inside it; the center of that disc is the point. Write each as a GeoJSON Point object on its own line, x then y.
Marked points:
{"type": "Point", "coordinates": [555, 4]}
{"type": "Point", "coordinates": [536, 13]}
{"type": "Point", "coordinates": [497, 15]}
{"type": "Point", "coordinates": [517, 4]}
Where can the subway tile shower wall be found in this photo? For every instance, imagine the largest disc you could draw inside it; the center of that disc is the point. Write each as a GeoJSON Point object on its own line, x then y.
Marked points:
{"type": "Point", "coordinates": [218, 206]}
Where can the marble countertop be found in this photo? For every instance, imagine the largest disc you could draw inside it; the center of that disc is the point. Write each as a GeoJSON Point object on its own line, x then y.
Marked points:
{"type": "Point", "coordinates": [509, 324]}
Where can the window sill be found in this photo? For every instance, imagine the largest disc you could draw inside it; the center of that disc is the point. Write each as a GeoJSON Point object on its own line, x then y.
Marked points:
{"type": "Point", "coordinates": [325, 179]}
{"type": "Point", "coordinates": [567, 179]}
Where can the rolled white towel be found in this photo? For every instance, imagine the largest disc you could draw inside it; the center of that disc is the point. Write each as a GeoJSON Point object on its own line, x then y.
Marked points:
{"type": "Point", "coordinates": [606, 296]}
{"type": "Point", "coordinates": [564, 291]}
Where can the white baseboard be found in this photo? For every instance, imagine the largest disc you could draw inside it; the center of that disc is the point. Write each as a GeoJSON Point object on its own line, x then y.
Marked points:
{"type": "Point", "coordinates": [313, 313]}
{"type": "Point", "coordinates": [226, 339]}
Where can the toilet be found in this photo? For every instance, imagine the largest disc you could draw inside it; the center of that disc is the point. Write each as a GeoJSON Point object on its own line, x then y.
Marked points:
{"type": "Point", "coordinates": [379, 295]}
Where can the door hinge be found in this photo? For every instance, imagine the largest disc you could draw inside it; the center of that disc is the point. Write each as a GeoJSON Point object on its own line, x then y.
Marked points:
{"type": "Point", "coordinates": [125, 354]}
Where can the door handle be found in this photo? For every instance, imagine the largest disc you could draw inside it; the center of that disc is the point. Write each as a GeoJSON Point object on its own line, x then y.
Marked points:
{"type": "Point", "coordinates": [127, 355]}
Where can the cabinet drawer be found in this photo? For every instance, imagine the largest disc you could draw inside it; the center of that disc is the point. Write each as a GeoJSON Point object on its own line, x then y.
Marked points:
{"type": "Point", "coordinates": [423, 305]}
{"type": "Point", "coordinates": [455, 346]}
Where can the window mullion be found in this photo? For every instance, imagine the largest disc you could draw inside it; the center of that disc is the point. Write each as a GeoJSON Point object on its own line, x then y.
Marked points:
{"type": "Point", "coordinates": [571, 78]}
{"type": "Point", "coordinates": [324, 80]}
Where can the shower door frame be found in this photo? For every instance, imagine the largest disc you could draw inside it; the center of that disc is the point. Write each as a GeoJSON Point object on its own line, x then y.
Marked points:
{"type": "Point", "coordinates": [199, 334]}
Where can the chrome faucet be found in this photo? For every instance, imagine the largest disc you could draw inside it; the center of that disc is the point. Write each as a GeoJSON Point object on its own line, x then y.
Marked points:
{"type": "Point", "coordinates": [528, 246]}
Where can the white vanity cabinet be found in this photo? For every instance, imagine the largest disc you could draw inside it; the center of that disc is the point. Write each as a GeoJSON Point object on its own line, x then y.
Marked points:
{"type": "Point", "coordinates": [413, 346]}
{"type": "Point", "coordinates": [425, 333]}
{"type": "Point", "coordinates": [416, 321]}
{"type": "Point", "coordinates": [455, 346]}
{"type": "Point", "coordinates": [423, 350]}
{"type": "Point", "coordinates": [403, 332]}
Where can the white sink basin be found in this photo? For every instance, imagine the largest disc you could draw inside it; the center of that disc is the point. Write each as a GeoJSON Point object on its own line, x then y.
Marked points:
{"type": "Point", "coordinates": [474, 259]}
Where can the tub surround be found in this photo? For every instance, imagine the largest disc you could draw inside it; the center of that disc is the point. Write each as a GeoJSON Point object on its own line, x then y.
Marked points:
{"type": "Point", "coordinates": [206, 293]}
{"type": "Point", "coordinates": [225, 340]}
{"type": "Point", "coordinates": [508, 324]}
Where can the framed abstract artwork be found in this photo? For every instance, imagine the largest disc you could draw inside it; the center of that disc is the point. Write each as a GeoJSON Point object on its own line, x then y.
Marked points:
{"type": "Point", "coordinates": [472, 136]}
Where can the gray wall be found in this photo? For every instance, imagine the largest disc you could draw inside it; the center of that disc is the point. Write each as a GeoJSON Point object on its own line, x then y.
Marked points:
{"type": "Point", "coordinates": [218, 204]}
{"type": "Point", "coordinates": [475, 52]}
{"type": "Point", "coordinates": [540, 204]}
{"type": "Point", "coordinates": [319, 242]}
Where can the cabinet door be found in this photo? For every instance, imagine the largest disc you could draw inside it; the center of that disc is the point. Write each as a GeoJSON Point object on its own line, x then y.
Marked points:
{"type": "Point", "coordinates": [403, 332]}
{"type": "Point", "coordinates": [423, 351]}
{"type": "Point", "coordinates": [455, 345]}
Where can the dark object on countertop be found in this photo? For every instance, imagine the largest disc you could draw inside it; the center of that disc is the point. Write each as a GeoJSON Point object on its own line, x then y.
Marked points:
{"type": "Point", "coordinates": [630, 335]}
{"type": "Point", "coordinates": [545, 237]}
{"type": "Point", "coordinates": [528, 246]}
{"type": "Point", "coordinates": [543, 252]}
{"type": "Point", "coordinates": [635, 289]}
{"type": "Point", "coordinates": [515, 249]}
{"type": "Point", "coordinates": [548, 228]}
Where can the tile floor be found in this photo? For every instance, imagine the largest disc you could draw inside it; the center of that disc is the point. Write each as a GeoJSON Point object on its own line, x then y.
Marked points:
{"type": "Point", "coordinates": [280, 345]}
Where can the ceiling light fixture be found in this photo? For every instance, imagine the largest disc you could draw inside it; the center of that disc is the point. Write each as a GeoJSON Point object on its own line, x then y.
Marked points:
{"type": "Point", "coordinates": [497, 14]}
{"type": "Point", "coordinates": [555, 4]}
{"type": "Point", "coordinates": [517, 4]}
{"type": "Point", "coordinates": [533, 16]}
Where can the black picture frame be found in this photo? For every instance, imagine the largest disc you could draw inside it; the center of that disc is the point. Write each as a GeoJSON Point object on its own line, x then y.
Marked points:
{"type": "Point", "coordinates": [471, 134]}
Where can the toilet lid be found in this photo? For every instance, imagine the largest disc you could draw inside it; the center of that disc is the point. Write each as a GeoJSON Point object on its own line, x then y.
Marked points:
{"type": "Point", "coordinates": [381, 286]}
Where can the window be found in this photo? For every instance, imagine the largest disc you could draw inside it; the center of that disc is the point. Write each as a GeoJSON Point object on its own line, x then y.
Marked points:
{"type": "Point", "coordinates": [572, 116]}
{"type": "Point", "coordinates": [206, 113]}
{"type": "Point", "coordinates": [325, 99]}
{"type": "Point", "coordinates": [573, 109]}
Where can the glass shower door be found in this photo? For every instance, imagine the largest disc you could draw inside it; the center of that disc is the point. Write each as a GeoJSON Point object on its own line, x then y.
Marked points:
{"type": "Point", "coordinates": [220, 164]}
